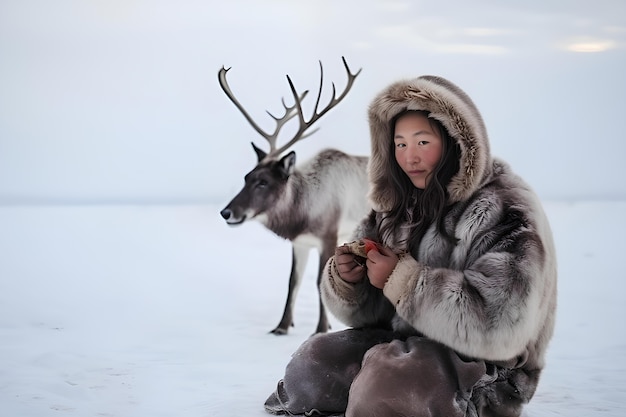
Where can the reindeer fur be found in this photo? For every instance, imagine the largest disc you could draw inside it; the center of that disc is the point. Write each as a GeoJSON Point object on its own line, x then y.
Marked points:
{"type": "Point", "coordinates": [316, 205]}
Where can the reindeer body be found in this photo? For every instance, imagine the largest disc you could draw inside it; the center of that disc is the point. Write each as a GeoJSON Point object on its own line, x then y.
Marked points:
{"type": "Point", "coordinates": [325, 193]}
{"type": "Point", "coordinates": [315, 206]}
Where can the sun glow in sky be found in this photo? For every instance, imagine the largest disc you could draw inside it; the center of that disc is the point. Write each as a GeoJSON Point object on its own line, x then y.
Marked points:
{"type": "Point", "coordinates": [119, 101]}
{"type": "Point", "coordinates": [591, 46]}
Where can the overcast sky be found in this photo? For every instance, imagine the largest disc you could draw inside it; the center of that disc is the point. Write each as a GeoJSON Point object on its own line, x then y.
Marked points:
{"type": "Point", "coordinates": [118, 101]}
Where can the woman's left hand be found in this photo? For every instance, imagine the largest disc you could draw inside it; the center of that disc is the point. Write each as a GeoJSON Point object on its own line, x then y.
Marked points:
{"type": "Point", "coordinates": [381, 262]}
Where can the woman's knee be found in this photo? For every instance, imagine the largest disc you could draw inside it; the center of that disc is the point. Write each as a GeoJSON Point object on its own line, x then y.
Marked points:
{"type": "Point", "coordinates": [321, 371]}
{"type": "Point", "coordinates": [416, 378]}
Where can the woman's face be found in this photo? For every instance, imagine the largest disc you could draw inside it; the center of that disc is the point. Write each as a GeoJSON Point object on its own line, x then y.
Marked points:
{"type": "Point", "coordinates": [418, 147]}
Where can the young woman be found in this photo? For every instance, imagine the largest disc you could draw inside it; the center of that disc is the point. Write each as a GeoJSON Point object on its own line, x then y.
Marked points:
{"type": "Point", "coordinates": [452, 311]}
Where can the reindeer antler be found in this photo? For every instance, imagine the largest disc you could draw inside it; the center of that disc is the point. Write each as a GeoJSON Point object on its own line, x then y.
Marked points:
{"type": "Point", "coordinates": [291, 111]}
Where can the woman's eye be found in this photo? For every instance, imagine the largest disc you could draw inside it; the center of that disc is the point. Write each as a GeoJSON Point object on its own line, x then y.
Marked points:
{"type": "Point", "coordinates": [422, 142]}
{"type": "Point", "coordinates": [400, 145]}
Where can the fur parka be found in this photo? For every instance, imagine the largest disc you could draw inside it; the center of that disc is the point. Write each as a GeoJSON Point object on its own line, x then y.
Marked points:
{"type": "Point", "coordinates": [490, 295]}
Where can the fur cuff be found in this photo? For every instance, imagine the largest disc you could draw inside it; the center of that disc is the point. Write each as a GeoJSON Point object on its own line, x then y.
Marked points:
{"type": "Point", "coordinates": [396, 285]}
{"type": "Point", "coordinates": [343, 289]}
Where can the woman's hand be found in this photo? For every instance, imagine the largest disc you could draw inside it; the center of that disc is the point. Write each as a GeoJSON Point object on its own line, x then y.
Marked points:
{"type": "Point", "coordinates": [380, 263]}
{"type": "Point", "coordinates": [350, 267]}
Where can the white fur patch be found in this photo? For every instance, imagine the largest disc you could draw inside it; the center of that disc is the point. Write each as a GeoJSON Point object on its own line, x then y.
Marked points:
{"type": "Point", "coordinates": [309, 240]}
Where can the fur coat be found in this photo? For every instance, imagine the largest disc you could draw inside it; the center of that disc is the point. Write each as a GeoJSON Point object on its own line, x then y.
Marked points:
{"type": "Point", "coordinates": [492, 294]}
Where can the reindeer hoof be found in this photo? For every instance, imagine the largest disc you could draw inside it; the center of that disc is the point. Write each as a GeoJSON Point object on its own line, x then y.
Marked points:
{"type": "Point", "coordinates": [322, 329]}
{"type": "Point", "coordinates": [279, 331]}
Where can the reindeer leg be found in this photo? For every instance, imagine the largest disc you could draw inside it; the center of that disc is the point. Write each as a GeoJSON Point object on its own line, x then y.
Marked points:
{"type": "Point", "coordinates": [328, 250]}
{"type": "Point", "coordinates": [300, 255]}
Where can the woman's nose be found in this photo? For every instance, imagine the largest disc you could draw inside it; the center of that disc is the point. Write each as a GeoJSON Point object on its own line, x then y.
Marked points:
{"type": "Point", "coordinates": [413, 156]}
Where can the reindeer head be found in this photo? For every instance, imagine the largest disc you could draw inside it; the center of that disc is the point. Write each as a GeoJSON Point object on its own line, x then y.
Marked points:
{"type": "Point", "coordinates": [266, 183]}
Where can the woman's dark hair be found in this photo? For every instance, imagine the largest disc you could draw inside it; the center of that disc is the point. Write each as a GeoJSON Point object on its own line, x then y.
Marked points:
{"type": "Point", "coordinates": [420, 208]}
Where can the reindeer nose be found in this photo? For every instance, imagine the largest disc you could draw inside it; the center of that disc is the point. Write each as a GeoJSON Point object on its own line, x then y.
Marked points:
{"type": "Point", "coordinates": [226, 213]}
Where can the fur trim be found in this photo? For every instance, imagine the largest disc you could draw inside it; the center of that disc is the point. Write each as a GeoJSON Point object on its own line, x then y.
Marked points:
{"type": "Point", "coordinates": [406, 269]}
{"type": "Point", "coordinates": [446, 103]}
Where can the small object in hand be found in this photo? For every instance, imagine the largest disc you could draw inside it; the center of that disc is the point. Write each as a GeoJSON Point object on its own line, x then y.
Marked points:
{"type": "Point", "coordinates": [369, 245]}
{"type": "Point", "coordinates": [362, 247]}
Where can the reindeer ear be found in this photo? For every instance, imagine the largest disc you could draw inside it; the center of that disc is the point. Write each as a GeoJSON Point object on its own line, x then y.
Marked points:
{"type": "Point", "coordinates": [259, 153]}
{"type": "Point", "coordinates": [287, 163]}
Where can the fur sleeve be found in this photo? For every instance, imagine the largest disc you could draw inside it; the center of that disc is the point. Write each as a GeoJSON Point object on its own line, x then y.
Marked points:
{"type": "Point", "coordinates": [356, 305]}
{"type": "Point", "coordinates": [495, 297]}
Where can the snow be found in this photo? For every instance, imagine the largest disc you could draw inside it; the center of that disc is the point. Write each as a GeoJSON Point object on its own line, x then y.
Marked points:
{"type": "Point", "coordinates": [158, 309]}
{"type": "Point", "coordinates": [163, 310]}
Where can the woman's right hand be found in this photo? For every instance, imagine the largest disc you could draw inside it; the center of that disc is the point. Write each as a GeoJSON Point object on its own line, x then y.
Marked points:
{"type": "Point", "coordinates": [351, 268]}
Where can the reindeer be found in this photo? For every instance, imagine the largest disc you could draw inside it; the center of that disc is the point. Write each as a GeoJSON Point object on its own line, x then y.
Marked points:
{"type": "Point", "coordinates": [316, 205]}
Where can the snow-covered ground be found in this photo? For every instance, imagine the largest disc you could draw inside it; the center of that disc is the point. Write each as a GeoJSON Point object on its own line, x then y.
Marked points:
{"type": "Point", "coordinates": [164, 311]}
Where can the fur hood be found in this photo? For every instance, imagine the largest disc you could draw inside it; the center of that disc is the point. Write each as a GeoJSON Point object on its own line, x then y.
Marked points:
{"type": "Point", "coordinates": [446, 103]}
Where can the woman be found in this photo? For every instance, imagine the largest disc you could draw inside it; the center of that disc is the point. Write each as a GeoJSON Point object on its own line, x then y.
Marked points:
{"type": "Point", "coordinates": [452, 312]}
